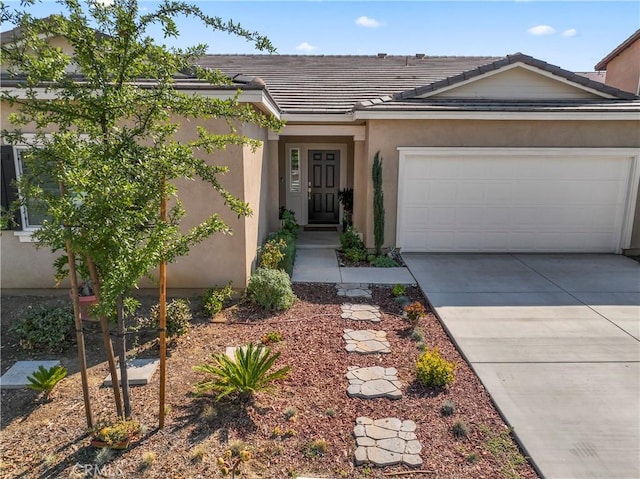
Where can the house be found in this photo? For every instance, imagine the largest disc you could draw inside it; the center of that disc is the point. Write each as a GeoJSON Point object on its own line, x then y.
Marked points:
{"type": "Point", "coordinates": [622, 65]}
{"type": "Point", "coordinates": [480, 154]}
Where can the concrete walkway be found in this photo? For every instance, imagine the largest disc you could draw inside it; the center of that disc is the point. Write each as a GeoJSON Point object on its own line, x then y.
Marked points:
{"type": "Point", "coordinates": [317, 262]}
{"type": "Point", "coordinates": [555, 340]}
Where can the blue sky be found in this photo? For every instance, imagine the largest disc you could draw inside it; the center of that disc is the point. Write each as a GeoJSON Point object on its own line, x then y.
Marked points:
{"type": "Point", "coordinates": [571, 34]}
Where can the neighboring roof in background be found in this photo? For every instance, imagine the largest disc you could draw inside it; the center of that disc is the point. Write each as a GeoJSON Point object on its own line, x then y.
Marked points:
{"type": "Point", "coordinates": [600, 76]}
{"type": "Point", "coordinates": [602, 64]}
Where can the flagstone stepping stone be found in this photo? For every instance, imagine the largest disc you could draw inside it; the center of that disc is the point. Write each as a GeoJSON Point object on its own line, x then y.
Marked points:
{"type": "Point", "coordinates": [366, 341]}
{"type": "Point", "coordinates": [354, 290]}
{"type": "Point", "coordinates": [139, 372]}
{"type": "Point", "coordinates": [16, 375]}
{"type": "Point", "coordinates": [361, 312]}
{"type": "Point", "coordinates": [386, 442]}
{"type": "Point", "coordinates": [373, 382]}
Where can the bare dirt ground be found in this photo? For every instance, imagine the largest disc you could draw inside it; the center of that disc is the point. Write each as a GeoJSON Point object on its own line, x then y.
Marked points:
{"type": "Point", "coordinates": [50, 440]}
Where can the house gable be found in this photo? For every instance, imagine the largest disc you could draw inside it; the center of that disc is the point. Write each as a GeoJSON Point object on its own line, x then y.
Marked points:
{"type": "Point", "coordinates": [515, 82]}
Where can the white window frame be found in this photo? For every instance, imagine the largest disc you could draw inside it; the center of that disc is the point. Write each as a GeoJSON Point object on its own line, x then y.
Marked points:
{"type": "Point", "coordinates": [295, 186]}
{"type": "Point", "coordinates": [25, 234]}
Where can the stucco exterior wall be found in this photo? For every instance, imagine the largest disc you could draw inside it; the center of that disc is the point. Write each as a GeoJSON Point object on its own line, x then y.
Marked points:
{"type": "Point", "coordinates": [386, 135]}
{"type": "Point", "coordinates": [215, 261]}
{"type": "Point", "coordinates": [623, 71]}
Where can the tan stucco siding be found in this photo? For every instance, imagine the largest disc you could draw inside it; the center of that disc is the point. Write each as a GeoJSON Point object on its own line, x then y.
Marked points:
{"type": "Point", "coordinates": [216, 261]}
{"type": "Point", "coordinates": [623, 71]}
{"type": "Point", "coordinates": [257, 193]}
{"type": "Point", "coordinates": [387, 135]}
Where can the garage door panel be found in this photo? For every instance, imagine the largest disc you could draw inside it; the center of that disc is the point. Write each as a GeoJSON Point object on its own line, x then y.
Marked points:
{"type": "Point", "coordinates": [519, 204]}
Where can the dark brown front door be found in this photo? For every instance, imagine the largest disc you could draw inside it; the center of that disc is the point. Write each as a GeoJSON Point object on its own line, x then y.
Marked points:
{"type": "Point", "coordinates": [324, 180]}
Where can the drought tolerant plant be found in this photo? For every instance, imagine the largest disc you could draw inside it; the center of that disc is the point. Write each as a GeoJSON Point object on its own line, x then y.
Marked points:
{"type": "Point", "coordinates": [114, 139]}
{"type": "Point", "coordinates": [271, 337]}
{"type": "Point", "coordinates": [271, 289]}
{"type": "Point", "coordinates": [178, 317]}
{"type": "Point", "coordinates": [315, 448]}
{"type": "Point", "coordinates": [414, 312]}
{"type": "Point", "coordinates": [45, 379]}
{"type": "Point", "coordinates": [213, 299]}
{"type": "Point", "coordinates": [230, 462]}
{"type": "Point", "coordinates": [448, 408]}
{"type": "Point", "coordinates": [115, 435]}
{"type": "Point", "coordinates": [434, 370]}
{"type": "Point", "coordinates": [383, 261]}
{"type": "Point", "coordinates": [398, 290]}
{"type": "Point", "coordinates": [244, 374]}
{"type": "Point", "coordinates": [505, 451]}
{"type": "Point", "coordinates": [45, 327]}
{"type": "Point", "coordinates": [378, 203]}
{"type": "Point", "coordinates": [460, 429]}
{"type": "Point", "coordinates": [271, 253]}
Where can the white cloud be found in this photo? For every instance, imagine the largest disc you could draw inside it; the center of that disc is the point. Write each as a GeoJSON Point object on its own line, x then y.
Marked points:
{"type": "Point", "coordinates": [368, 22]}
{"type": "Point", "coordinates": [106, 3]}
{"type": "Point", "coordinates": [306, 47]}
{"type": "Point", "coordinates": [571, 32]}
{"type": "Point", "coordinates": [542, 30]}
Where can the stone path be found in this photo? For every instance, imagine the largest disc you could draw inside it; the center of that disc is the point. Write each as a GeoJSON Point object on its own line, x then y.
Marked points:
{"type": "Point", "coordinates": [374, 382]}
{"type": "Point", "coordinates": [381, 442]}
{"type": "Point", "coordinates": [366, 341]}
{"type": "Point", "coordinates": [386, 442]}
{"type": "Point", "coordinates": [354, 290]}
{"type": "Point", "coordinates": [361, 312]}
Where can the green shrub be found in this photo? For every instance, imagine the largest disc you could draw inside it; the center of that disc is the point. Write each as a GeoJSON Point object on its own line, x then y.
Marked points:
{"type": "Point", "coordinates": [448, 408]}
{"type": "Point", "coordinates": [245, 374]}
{"type": "Point", "coordinates": [214, 299]}
{"type": "Point", "coordinates": [383, 261]}
{"type": "Point", "coordinates": [178, 317]}
{"type": "Point", "coordinates": [271, 253]}
{"type": "Point", "coordinates": [271, 289]}
{"type": "Point", "coordinates": [350, 239]}
{"type": "Point", "coordinates": [355, 255]}
{"type": "Point", "coordinates": [279, 252]}
{"type": "Point", "coordinates": [45, 379]}
{"type": "Point", "coordinates": [289, 224]}
{"type": "Point", "coordinates": [45, 327]}
{"type": "Point", "coordinates": [398, 290]}
{"type": "Point", "coordinates": [434, 370]}
{"type": "Point", "coordinates": [271, 337]}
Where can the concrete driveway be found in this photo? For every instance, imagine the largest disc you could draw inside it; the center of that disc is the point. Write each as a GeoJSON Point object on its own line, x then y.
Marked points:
{"type": "Point", "coordinates": [555, 340]}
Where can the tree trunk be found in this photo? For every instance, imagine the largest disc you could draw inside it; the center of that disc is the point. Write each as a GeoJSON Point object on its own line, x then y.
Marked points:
{"type": "Point", "coordinates": [106, 338]}
{"type": "Point", "coordinates": [122, 356]}
{"type": "Point", "coordinates": [82, 357]}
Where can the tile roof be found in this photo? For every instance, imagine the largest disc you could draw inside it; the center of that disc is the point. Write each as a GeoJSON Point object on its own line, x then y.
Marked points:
{"type": "Point", "coordinates": [341, 84]}
{"type": "Point", "coordinates": [335, 84]}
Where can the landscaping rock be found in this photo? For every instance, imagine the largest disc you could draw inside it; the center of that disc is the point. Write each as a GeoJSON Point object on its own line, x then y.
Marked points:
{"type": "Point", "coordinates": [366, 341]}
{"type": "Point", "coordinates": [361, 312]}
{"type": "Point", "coordinates": [386, 442]}
{"type": "Point", "coordinates": [373, 382]}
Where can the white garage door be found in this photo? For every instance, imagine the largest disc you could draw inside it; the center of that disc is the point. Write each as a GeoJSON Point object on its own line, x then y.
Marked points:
{"type": "Point", "coordinates": [511, 203]}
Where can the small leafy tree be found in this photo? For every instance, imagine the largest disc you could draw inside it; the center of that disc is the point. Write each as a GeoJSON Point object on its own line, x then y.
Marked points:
{"type": "Point", "coordinates": [378, 203]}
{"type": "Point", "coordinates": [109, 138]}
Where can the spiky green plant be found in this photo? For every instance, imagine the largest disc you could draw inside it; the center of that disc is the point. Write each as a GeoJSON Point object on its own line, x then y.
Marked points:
{"type": "Point", "coordinates": [45, 379]}
{"type": "Point", "coordinates": [378, 203]}
{"type": "Point", "coordinates": [245, 374]}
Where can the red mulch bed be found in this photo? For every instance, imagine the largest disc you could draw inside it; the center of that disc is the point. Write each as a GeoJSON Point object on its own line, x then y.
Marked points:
{"type": "Point", "coordinates": [49, 439]}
